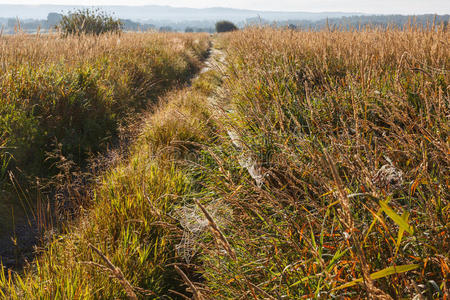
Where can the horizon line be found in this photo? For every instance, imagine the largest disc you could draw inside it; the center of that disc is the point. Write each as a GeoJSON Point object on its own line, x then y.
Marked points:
{"type": "Point", "coordinates": [232, 8]}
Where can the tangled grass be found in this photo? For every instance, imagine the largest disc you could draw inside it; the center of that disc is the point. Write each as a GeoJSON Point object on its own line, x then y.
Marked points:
{"type": "Point", "coordinates": [125, 245]}
{"type": "Point", "coordinates": [350, 131]}
{"type": "Point", "coordinates": [78, 90]}
{"type": "Point", "coordinates": [64, 100]}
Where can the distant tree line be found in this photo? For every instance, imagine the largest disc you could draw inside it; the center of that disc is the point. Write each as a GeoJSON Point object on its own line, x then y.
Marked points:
{"type": "Point", "coordinates": [199, 29]}
{"type": "Point", "coordinates": [53, 19]}
{"type": "Point", "coordinates": [355, 22]}
{"type": "Point", "coordinates": [400, 21]}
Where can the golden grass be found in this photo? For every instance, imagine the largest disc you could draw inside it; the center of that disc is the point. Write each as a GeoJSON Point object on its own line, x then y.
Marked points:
{"type": "Point", "coordinates": [78, 91]}
{"type": "Point", "coordinates": [63, 100]}
{"type": "Point", "coordinates": [40, 50]}
{"type": "Point", "coordinates": [130, 223]}
{"type": "Point", "coordinates": [350, 130]}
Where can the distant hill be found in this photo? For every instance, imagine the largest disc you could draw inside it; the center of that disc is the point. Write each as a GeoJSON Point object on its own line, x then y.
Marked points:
{"type": "Point", "coordinates": [168, 13]}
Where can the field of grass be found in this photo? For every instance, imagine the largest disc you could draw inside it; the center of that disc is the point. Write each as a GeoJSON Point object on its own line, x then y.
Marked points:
{"type": "Point", "coordinates": [301, 165]}
{"type": "Point", "coordinates": [348, 133]}
{"type": "Point", "coordinates": [130, 221]}
{"type": "Point", "coordinates": [67, 98]}
{"type": "Point", "coordinates": [77, 90]}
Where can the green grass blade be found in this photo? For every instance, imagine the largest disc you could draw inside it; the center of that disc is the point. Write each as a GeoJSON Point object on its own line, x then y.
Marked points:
{"type": "Point", "coordinates": [396, 218]}
{"type": "Point", "coordinates": [381, 274]}
{"type": "Point", "coordinates": [401, 231]}
{"type": "Point", "coordinates": [336, 258]}
{"type": "Point", "coordinates": [302, 280]}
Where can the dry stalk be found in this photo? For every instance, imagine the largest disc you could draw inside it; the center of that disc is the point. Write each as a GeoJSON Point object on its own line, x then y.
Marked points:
{"type": "Point", "coordinates": [220, 238]}
{"type": "Point", "coordinates": [195, 291]}
{"type": "Point", "coordinates": [347, 221]}
{"type": "Point", "coordinates": [180, 294]}
{"type": "Point", "coordinates": [117, 273]}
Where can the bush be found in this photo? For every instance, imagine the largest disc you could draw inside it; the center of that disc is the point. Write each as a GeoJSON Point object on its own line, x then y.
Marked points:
{"type": "Point", "coordinates": [225, 26]}
{"type": "Point", "coordinates": [89, 21]}
{"type": "Point", "coordinates": [53, 19]}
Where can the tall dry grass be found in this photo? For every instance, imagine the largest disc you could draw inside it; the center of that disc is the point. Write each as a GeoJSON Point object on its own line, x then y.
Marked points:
{"type": "Point", "coordinates": [77, 90]}
{"type": "Point", "coordinates": [72, 95]}
{"type": "Point", "coordinates": [43, 49]}
{"type": "Point", "coordinates": [350, 133]}
{"type": "Point", "coordinates": [122, 245]}
{"type": "Point", "coordinates": [65, 100]}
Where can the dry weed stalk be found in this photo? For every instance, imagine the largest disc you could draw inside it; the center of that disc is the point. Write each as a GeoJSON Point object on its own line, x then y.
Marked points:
{"type": "Point", "coordinates": [117, 273]}
{"type": "Point", "coordinates": [354, 234]}
{"type": "Point", "coordinates": [196, 293]}
{"type": "Point", "coordinates": [215, 230]}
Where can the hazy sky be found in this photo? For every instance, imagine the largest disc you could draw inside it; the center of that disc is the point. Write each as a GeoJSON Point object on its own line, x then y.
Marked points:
{"type": "Point", "coordinates": [369, 6]}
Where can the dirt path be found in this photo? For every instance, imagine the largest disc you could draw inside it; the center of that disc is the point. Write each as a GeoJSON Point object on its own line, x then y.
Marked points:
{"type": "Point", "coordinates": [223, 107]}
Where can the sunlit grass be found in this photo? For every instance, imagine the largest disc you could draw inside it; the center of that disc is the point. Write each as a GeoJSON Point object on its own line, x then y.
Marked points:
{"type": "Point", "coordinates": [71, 96]}
{"type": "Point", "coordinates": [131, 221]}
{"type": "Point", "coordinates": [349, 132]}
{"type": "Point", "coordinates": [319, 114]}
